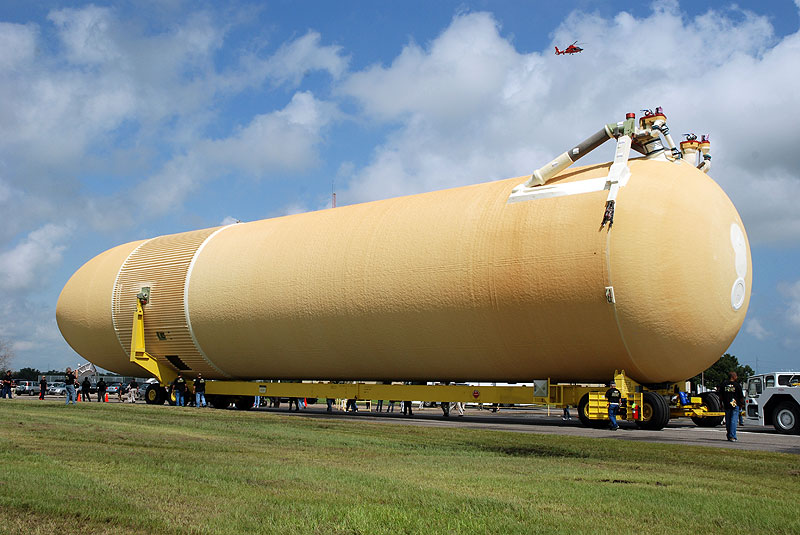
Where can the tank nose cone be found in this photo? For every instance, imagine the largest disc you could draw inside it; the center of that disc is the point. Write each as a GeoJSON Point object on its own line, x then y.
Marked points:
{"type": "Point", "coordinates": [83, 312]}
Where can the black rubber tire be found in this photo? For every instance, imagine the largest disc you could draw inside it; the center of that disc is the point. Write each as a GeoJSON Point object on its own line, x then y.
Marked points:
{"type": "Point", "coordinates": [786, 418]}
{"type": "Point", "coordinates": [243, 403]}
{"type": "Point", "coordinates": [712, 402]}
{"type": "Point", "coordinates": [154, 395]}
{"type": "Point", "coordinates": [583, 415]}
{"type": "Point", "coordinates": [655, 406]}
{"type": "Point", "coordinates": [218, 402]}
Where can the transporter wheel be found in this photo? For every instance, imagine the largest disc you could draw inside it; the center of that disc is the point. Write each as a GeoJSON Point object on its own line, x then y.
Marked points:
{"type": "Point", "coordinates": [218, 402]}
{"type": "Point", "coordinates": [244, 403]}
{"type": "Point", "coordinates": [786, 419]}
{"type": "Point", "coordinates": [712, 402]}
{"type": "Point", "coordinates": [154, 395]}
{"type": "Point", "coordinates": [583, 414]}
{"type": "Point", "coordinates": [655, 412]}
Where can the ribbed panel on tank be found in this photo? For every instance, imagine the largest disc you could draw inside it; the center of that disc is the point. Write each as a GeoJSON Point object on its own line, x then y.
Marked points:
{"type": "Point", "coordinates": [161, 264]}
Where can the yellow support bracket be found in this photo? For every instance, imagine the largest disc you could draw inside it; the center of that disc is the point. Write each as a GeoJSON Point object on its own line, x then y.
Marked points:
{"type": "Point", "coordinates": [140, 356]}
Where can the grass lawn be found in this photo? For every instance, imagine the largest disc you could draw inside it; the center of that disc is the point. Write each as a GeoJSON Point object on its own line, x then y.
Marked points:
{"type": "Point", "coordinates": [116, 468]}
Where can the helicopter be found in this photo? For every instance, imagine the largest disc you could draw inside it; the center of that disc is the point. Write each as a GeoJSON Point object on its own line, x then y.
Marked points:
{"type": "Point", "coordinates": [571, 49]}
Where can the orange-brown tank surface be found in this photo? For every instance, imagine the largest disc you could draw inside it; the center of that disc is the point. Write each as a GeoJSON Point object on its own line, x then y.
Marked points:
{"type": "Point", "coordinates": [450, 285]}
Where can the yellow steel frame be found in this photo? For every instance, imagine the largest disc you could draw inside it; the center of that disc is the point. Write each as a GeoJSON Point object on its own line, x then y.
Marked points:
{"type": "Point", "coordinates": [141, 357]}
{"type": "Point", "coordinates": [542, 393]}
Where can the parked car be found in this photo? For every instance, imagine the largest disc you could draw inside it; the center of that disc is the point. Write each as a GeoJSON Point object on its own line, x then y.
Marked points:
{"type": "Point", "coordinates": [26, 387]}
{"type": "Point", "coordinates": [140, 392]}
{"type": "Point", "coordinates": [57, 389]}
{"type": "Point", "coordinates": [116, 389]}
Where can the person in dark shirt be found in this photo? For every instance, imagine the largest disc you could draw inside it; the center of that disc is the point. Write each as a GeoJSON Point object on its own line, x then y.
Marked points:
{"type": "Point", "coordinates": [86, 386]}
{"type": "Point", "coordinates": [732, 397]}
{"type": "Point", "coordinates": [179, 389]}
{"type": "Point", "coordinates": [200, 391]}
{"type": "Point", "coordinates": [8, 382]}
{"type": "Point", "coordinates": [69, 386]}
{"type": "Point", "coordinates": [42, 387]}
{"type": "Point", "coordinates": [613, 396]}
{"type": "Point", "coordinates": [101, 390]}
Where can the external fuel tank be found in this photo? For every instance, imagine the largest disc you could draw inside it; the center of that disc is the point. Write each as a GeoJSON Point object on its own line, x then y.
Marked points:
{"type": "Point", "coordinates": [453, 285]}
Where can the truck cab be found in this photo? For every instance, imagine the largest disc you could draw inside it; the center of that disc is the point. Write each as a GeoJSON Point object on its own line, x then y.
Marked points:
{"type": "Point", "coordinates": [774, 398]}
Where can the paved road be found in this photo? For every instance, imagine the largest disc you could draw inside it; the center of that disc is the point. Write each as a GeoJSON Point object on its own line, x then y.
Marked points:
{"type": "Point", "coordinates": [681, 431]}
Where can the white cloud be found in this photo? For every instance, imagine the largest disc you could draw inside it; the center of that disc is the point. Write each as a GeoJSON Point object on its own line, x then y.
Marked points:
{"type": "Point", "coordinates": [282, 141]}
{"type": "Point", "coordinates": [17, 44]}
{"type": "Point", "coordinates": [293, 60]}
{"type": "Point", "coordinates": [87, 34]}
{"type": "Point", "coordinates": [470, 107]}
{"type": "Point", "coordinates": [791, 292]}
{"type": "Point", "coordinates": [754, 328]}
{"type": "Point", "coordinates": [29, 262]}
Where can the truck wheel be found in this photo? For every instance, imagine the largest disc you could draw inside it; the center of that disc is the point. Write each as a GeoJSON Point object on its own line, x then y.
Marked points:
{"type": "Point", "coordinates": [583, 414]}
{"type": "Point", "coordinates": [655, 412]}
{"type": "Point", "coordinates": [244, 403]}
{"type": "Point", "coordinates": [154, 395]}
{"type": "Point", "coordinates": [713, 404]}
{"type": "Point", "coordinates": [786, 419]}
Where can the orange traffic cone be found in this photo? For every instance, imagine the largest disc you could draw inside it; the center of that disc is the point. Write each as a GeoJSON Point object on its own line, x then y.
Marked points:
{"type": "Point", "coordinates": [106, 398]}
{"type": "Point", "coordinates": [79, 396]}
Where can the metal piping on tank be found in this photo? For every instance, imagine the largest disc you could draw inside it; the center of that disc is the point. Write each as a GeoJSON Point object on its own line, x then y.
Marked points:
{"type": "Point", "coordinates": [692, 148]}
{"type": "Point", "coordinates": [646, 138]}
{"type": "Point", "coordinates": [542, 175]}
{"type": "Point", "coordinates": [705, 150]}
{"type": "Point", "coordinates": [652, 124]}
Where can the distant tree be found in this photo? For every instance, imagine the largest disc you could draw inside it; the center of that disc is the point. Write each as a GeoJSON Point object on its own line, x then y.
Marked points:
{"type": "Point", "coordinates": [53, 372]}
{"type": "Point", "coordinates": [6, 355]}
{"type": "Point", "coordinates": [28, 374]}
{"type": "Point", "coordinates": [718, 372]}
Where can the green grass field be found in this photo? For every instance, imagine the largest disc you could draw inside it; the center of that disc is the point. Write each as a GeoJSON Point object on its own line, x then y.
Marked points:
{"type": "Point", "coordinates": [118, 468]}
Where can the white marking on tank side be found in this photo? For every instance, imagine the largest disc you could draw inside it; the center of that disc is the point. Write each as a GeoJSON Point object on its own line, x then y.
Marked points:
{"type": "Point", "coordinates": [186, 301]}
{"type": "Point", "coordinates": [590, 185]}
{"type": "Point", "coordinates": [114, 291]}
{"type": "Point", "coordinates": [739, 289]}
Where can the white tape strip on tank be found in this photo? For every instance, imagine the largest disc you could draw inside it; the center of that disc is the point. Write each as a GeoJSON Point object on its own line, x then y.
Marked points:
{"type": "Point", "coordinates": [739, 290]}
{"type": "Point", "coordinates": [521, 193]}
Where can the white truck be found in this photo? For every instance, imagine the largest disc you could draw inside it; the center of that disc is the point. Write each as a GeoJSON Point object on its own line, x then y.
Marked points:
{"type": "Point", "coordinates": [774, 398]}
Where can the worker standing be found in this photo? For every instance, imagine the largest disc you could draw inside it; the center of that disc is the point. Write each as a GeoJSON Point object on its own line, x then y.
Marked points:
{"type": "Point", "coordinates": [42, 387]}
{"type": "Point", "coordinates": [133, 388]}
{"type": "Point", "coordinates": [8, 382]}
{"type": "Point", "coordinates": [69, 386]}
{"type": "Point", "coordinates": [613, 396]}
{"type": "Point", "coordinates": [200, 392]}
{"type": "Point", "coordinates": [179, 389]}
{"type": "Point", "coordinates": [101, 390]}
{"type": "Point", "coordinates": [732, 397]}
{"type": "Point", "coordinates": [86, 386]}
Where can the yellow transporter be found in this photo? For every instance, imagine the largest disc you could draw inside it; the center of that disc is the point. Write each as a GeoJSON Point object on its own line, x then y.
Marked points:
{"type": "Point", "coordinates": [454, 285]}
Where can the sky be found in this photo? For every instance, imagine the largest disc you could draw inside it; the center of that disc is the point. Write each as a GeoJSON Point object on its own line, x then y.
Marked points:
{"type": "Point", "coordinates": [128, 120]}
